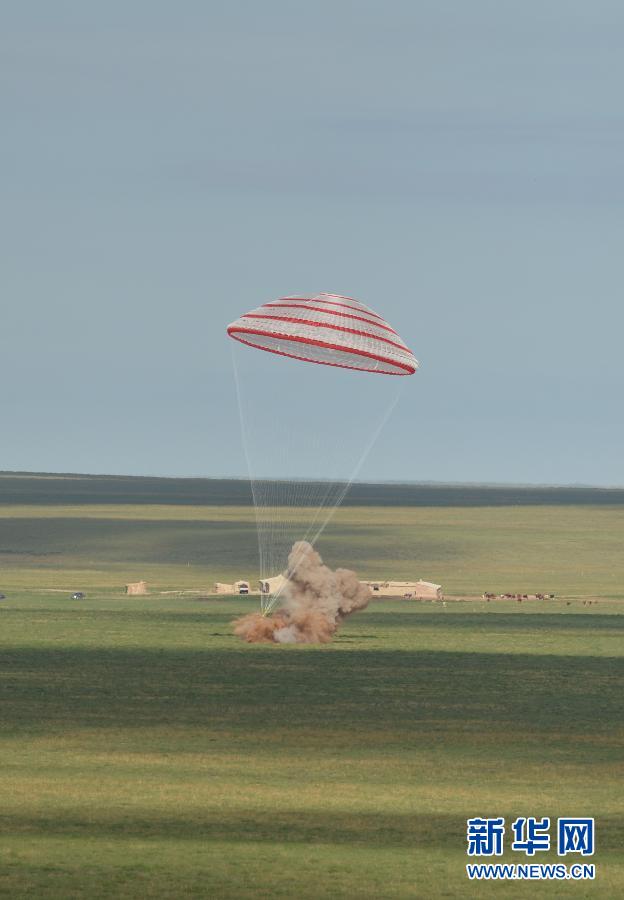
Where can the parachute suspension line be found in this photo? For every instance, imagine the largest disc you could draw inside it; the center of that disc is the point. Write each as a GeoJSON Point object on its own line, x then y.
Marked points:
{"type": "Point", "coordinates": [272, 601]}
{"type": "Point", "coordinates": [247, 458]}
{"type": "Point", "coordinates": [346, 485]}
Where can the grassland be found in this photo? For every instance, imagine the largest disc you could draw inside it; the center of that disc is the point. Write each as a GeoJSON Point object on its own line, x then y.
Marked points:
{"type": "Point", "coordinates": [569, 550]}
{"type": "Point", "coordinates": [147, 753]}
{"type": "Point", "coordinates": [28, 487]}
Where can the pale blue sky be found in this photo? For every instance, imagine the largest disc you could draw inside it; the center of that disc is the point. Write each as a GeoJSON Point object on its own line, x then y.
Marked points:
{"type": "Point", "coordinates": [457, 166]}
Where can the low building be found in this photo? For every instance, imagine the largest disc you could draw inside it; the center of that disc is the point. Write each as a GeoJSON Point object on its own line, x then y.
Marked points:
{"type": "Point", "coordinates": [273, 585]}
{"type": "Point", "coordinates": [137, 587]}
{"type": "Point", "coordinates": [239, 587]}
{"type": "Point", "coordinates": [411, 590]}
{"type": "Point", "coordinates": [220, 588]}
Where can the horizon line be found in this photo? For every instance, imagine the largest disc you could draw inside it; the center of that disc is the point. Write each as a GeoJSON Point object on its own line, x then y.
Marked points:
{"type": "Point", "coordinates": [312, 479]}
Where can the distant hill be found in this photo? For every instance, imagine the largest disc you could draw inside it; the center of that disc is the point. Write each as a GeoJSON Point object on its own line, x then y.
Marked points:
{"type": "Point", "coordinates": [43, 489]}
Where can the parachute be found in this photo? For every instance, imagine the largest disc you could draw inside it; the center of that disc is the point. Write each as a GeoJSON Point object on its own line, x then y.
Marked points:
{"type": "Point", "coordinates": [307, 430]}
{"type": "Point", "coordinates": [326, 329]}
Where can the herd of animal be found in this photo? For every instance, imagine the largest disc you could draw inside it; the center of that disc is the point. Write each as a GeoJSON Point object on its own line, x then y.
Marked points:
{"type": "Point", "coordinates": [487, 596]}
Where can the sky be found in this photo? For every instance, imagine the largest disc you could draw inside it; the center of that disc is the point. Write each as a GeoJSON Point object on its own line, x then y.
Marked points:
{"type": "Point", "coordinates": [458, 167]}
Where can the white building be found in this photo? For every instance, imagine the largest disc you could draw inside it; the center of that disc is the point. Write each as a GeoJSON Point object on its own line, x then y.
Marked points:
{"type": "Point", "coordinates": [411, 590]}
{"type": "Point", "coordinates": [273, 585]}
{"type": "Point", "coordinates": [239, 587]}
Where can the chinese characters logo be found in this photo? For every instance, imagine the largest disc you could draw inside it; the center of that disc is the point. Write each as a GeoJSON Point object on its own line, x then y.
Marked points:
{"type": "Point", "coordinates": [531, 835]}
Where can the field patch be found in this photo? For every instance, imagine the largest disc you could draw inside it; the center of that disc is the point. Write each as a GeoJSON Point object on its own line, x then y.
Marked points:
{"type": "Point", "coordinates": [144, 748]}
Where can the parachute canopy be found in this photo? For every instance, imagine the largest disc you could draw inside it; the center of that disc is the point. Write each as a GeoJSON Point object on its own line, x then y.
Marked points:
{"type": "Point", "coordinates": [327, 329]}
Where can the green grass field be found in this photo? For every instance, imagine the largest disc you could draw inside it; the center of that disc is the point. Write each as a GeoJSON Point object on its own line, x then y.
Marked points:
{"type": "Point", "coordinates": [145, 752]}
{"type": "Point", "coordinates": [568, 550]}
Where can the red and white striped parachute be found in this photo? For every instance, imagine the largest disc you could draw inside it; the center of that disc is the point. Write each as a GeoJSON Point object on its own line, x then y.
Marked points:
{"type": "Point", "coordinates": [326, 329]}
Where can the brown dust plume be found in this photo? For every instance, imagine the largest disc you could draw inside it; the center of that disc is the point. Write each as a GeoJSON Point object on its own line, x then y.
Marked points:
{"type": "Point", "coordinates": [315, 601]}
